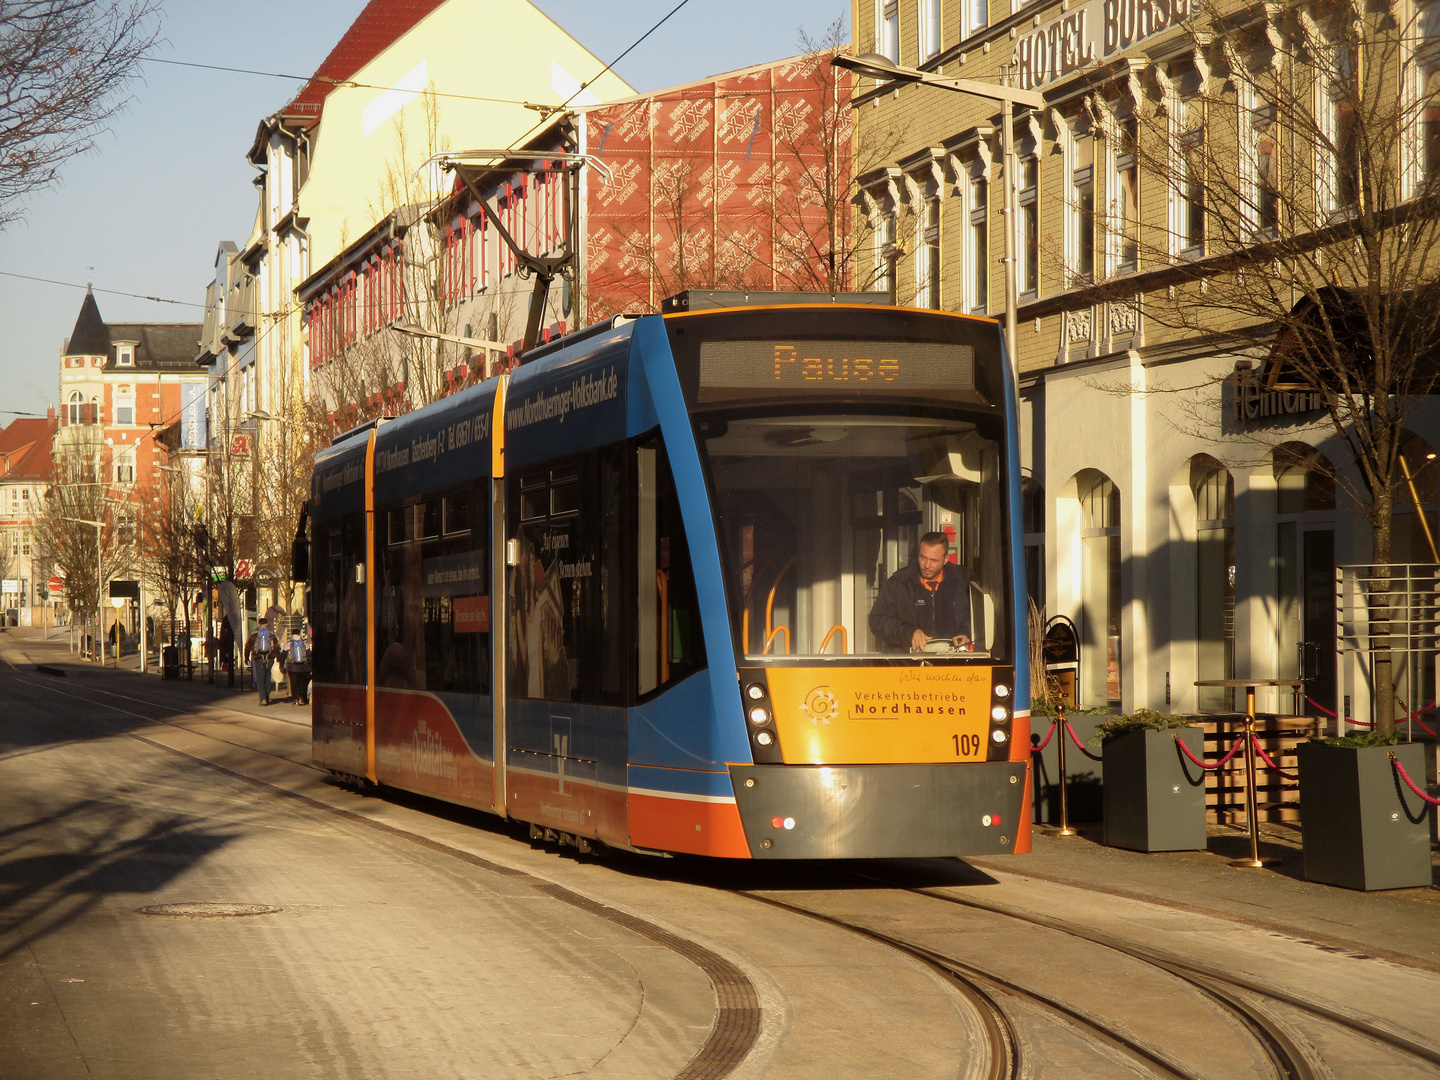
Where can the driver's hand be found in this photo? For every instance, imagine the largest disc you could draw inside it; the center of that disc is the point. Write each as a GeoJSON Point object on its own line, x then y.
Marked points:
{"type": "Point", "coordinates": [960, 641]}
{"type": "Point", "coordinates": [918, 640]}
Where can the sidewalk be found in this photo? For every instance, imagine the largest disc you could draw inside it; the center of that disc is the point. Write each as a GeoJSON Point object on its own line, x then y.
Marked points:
{"type": "Point", "coordinates": [53, 649]}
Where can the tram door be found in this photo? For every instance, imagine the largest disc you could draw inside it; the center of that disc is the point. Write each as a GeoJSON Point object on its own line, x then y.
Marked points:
{"type": "Point", "coordinates": [566, 654]}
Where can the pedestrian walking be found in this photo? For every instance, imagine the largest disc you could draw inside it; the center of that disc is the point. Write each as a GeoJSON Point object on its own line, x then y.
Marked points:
{"type": "Point", "coordinates": [297, 666]}
{"type": "Point", "coordinates": [261, 651]}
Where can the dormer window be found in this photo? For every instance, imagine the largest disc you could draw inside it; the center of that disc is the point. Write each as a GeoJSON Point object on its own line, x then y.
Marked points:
{"type": "Point", "coordinates": [124, 355]}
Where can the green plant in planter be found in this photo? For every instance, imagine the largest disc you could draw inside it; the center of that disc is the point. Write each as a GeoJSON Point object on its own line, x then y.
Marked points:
{"type": "Point", "coordinates": [1154, 798]}
{"type": "Point", "coordinates": [1043, 708]}
{"type": "Point", "coordinates": [1360, 739]}
{"type": "Point", "coordinates": [1140, 720]}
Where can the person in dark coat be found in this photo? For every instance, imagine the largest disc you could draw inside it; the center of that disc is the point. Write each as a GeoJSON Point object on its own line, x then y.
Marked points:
{"type": "Point", "coordinates": [925, 601]}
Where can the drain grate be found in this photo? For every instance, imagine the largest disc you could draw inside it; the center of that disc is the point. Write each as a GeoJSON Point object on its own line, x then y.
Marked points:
{"type": "Point", "coordinates": [207, 910]}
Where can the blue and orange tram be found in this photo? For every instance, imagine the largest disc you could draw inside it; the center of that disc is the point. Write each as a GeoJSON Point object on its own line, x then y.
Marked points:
{"type": "Point", "coordinates": [623, 592]}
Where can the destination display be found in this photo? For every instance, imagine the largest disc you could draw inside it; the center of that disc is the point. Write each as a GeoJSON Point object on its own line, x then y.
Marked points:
{"type": "Point", "coordinates": [732, 368]}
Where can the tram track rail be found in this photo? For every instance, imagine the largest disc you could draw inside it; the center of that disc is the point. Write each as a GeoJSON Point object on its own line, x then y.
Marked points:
{"type": "Point", "coordinates": [985, 989]}
{"type": "Point", "coordinates": [736, 1028]}
{"type": "Point", "coordinates": [1227, 989]}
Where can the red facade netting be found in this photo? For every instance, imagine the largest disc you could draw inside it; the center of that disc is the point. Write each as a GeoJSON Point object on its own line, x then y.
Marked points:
{"type": "Point", "coordinates": [738, 182]}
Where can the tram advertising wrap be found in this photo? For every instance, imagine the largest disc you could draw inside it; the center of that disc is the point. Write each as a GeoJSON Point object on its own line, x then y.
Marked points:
{"type": "Point", "coordinates": [739, 583]}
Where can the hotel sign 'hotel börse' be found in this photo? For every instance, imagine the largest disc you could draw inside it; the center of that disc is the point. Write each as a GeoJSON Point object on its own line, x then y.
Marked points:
{"type": "Point", "coordinates": [1092, 32]}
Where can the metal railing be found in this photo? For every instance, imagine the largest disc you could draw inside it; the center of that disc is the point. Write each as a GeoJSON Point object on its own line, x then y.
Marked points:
{"type": "Point", "coordinates": [1386, 610]}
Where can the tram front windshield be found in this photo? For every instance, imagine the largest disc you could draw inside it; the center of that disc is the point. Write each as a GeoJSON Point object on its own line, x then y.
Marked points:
{"type": "Point", "coordinates": [816, 512]}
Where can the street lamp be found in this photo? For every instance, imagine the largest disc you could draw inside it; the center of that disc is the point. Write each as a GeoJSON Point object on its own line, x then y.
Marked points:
{"type": "Point", "coordinates": [99, 584]}
{"type": "Point", "coordinates": [882, 69]}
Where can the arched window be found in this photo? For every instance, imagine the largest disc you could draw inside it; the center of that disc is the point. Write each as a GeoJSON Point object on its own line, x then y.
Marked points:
{"type": "Point", "coordinates": [1100, 587]}
{"type": "Point", "coordinates": [1214, 490]}
{"type": "Point", "coordinates": [76, 407]}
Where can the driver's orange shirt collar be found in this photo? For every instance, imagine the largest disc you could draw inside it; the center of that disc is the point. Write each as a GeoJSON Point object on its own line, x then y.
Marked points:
{"type": "Point", "coordinates": [933, 583]}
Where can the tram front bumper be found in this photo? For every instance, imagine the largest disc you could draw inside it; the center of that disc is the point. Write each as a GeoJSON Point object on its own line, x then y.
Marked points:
{"type": "Point", "coordinates": [879, 811]}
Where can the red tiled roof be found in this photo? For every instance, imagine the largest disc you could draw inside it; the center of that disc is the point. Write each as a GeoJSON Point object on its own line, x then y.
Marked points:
{"type": "Point", "coordinates": [374, 29]}
{"type": "Point", "coordinates": [26, 445]}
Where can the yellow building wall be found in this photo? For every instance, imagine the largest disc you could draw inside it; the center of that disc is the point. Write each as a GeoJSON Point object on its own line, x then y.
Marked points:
{"type": "Point", "coordinates": [502, 49]}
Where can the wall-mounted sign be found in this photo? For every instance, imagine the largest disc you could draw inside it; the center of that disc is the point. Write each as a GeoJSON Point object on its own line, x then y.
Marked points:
{"type": "Point", "coordinates": [1092, 32]}
{"type": "Point", "coordinates": [240, 445]}
{"type": "Point", "coordinates": [10, 585]}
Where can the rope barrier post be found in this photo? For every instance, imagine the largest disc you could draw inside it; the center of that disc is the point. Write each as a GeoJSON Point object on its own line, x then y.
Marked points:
{"type": "Point", "coordinates": [1060, 724]}
{"type": "Point", "coordinates": [1251, 799]}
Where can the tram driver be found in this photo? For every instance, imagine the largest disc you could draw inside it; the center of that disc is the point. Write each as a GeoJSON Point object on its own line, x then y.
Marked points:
{"type": "Point", "coordinates": [927, 601]}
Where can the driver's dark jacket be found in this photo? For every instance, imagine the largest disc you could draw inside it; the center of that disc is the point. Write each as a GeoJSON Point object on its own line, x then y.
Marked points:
{"type": "Point", "coordinates": [906, 605]}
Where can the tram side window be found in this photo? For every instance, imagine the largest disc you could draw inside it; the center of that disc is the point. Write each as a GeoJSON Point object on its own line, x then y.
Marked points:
{"type": "Point", "coordinates": [339, 654]}
{"type": "Point", "coordinates": [432, 618]}
{"type": "Point", "coordinates": [669, 639]}
{"type": "Point", "coordinates": [566, 615]}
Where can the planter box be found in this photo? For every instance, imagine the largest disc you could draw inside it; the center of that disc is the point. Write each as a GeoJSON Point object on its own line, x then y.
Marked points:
{"type": "Point", "coordinates": [1154, 798]}
{"type": "Point", "coordinates": [1362, 828]}
{"type": "Point", "coordinates": [1085, 776]}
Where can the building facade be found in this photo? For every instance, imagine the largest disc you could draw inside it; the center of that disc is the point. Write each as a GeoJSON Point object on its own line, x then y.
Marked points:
{"type": "Point", "coordinates": [123, 387]}
{"type": "Point", "coordinates": [1185, 505]}
{"type": "Point", "coordinates": [26, 470]}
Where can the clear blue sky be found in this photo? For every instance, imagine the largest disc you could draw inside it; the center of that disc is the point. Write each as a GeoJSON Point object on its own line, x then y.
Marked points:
{"type": "Point", "coordinates": [170, 180]}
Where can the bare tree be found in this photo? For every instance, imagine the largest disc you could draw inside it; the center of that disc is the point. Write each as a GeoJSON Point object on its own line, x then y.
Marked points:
{"type": "Point", "coordinates": [171, 569]}
{"type": "Point", "coordinates": [64, 69]}
{"type": "Point", "coordinates": [1300, 224]}
{"type": "Point", "coordinates": [77, 498]}
{"type": "Point", "coordinates": [820, 157]}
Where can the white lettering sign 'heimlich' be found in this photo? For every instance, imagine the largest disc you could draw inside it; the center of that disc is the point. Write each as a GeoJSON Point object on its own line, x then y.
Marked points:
{"type": "Point", "coordinates": [1093, 32]}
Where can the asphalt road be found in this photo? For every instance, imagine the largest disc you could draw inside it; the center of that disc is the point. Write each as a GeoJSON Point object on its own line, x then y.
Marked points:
{"type": "Point", "coordinates": [304, 930]}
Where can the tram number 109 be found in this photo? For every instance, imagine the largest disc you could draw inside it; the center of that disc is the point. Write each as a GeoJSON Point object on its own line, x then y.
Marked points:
{"type": "Point", "coordinates": [966, 745]}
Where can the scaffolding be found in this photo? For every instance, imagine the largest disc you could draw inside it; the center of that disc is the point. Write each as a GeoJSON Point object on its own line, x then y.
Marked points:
{"type": "Point", "coordinates": [1391, 608]}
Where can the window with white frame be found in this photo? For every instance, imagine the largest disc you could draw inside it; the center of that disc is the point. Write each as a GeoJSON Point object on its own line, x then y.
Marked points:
{"type": "Point", "coordinates": [1426, 87]}
{"type": "Point", "coordinates": [927, 17]}
{"type": "Point", "coordinates": [885, 251]}
{"type": "Point", "coordinates": [1080, 207]}
{"type": "Point", "coordinates": [1029, 200]}
{"type": "Point", "coordinates": [977, 255]}
{"type": "Point", "coordinates": [1259, 163]}
{"type": "Point", "coordinates": [75, 408]}
{"type": "Point", "coordinates": [1339, 165]}
{"type": "Point", "coordinates": [927, 251]}
{"type": "Point", "coordinates": [1125, 202]}
{"type": "Point", "coordinates": [124, 355]}
{"type": "Point", "coordinates": [887, 29]}
{"type": "Point", "coordinates": [124, 405]}
{"type": "Point", "coordinates": [125, 467]}
{"type": "Point", "coordinates": [1187, 162]}
{"type": "Point", "coordinates": [978, 14]}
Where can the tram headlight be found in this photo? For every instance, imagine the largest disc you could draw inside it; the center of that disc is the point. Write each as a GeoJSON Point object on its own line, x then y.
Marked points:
{"type": "Point", "coordinates": [999, 714]}
{"type": "Point", "coordinates": [998, 736]}
{"type": "Point", "coordinates": [764, 738]}
{"type": "Point", "coordinates": [755, 692]}
{"type": "Point", "coordinates": [759, 715]}
{"type": "Point", "coordinates": [1002, 691]}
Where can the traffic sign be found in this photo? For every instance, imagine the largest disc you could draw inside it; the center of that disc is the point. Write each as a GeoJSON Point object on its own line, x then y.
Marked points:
{"type": "Point", "coordinates": [57, 585]}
